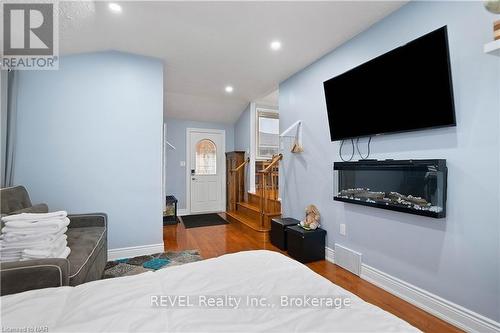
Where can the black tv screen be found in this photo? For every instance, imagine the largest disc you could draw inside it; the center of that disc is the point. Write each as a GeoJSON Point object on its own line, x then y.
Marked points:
{"type": "Point", "coordinates": [406, 89]}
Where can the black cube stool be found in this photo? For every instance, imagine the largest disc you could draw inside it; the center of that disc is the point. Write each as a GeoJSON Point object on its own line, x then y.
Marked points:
{"type": "Point", "coordinates": [278, 231]}
{"type": "Point", "coordinates": [306, 245]}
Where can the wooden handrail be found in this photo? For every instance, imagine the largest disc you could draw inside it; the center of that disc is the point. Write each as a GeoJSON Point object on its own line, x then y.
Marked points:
{"type": "Point", "coordinates": [272, 164]}
{"type": "Point", "coordinates": [268, 178]}
{"type": "Point", "coordinates": [238, 168]}
{"type": "Point", "coordinates": [236, 183]}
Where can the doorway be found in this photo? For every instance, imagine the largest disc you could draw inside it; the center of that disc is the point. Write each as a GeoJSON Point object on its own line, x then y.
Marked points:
{"type": "Point", "coordinates": [206, 172]}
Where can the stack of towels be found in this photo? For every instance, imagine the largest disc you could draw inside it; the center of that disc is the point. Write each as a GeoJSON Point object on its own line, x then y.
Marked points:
{"type": "Point", "coordinates": [29, 236]}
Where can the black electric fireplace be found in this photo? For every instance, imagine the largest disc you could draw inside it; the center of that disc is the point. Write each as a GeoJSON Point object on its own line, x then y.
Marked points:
{"type": "Point", "coordinates": [409, 186]}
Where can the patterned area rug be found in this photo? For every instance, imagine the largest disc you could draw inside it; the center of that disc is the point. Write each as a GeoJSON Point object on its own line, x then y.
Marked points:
{"type": "Point", "coordinates": [153, 262]}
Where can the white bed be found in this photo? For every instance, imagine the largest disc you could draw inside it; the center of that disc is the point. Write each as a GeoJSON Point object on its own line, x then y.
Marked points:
{"type": "Point", "coordinates": [125, 304]}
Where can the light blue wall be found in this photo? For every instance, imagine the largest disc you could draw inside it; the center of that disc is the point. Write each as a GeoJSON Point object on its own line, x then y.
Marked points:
{"type": "Point", "coordinates": [242, 131]}
{"type": "Point", "coordinates": [242, 138]}
{"type": "Point", "coordinates": [458, 257]}
{"type": "Point", "coordinates": [176, 135]}
{"type": "Point", "coordinates": [89, 139]}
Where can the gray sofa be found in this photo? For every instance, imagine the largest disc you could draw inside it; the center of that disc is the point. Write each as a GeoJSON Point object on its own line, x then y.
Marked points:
{"type": "Point", "coordinates": [87, 239]}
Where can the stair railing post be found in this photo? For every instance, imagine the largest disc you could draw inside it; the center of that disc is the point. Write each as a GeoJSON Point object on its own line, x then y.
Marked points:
{"type": "Point", "coordinates": [232, 190]}
{"type": "Point", "coordinates": [264, 196]}
{"type": "Point", "coordinates": [238, 189]}
{"type": "Point", "coordinates": [235, 184]}
{"type": "Point", "coordinates": [235, 189]}
{"type": "Point", "coordinates": [266, 193]}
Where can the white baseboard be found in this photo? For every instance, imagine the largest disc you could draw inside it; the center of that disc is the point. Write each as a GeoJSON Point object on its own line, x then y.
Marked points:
{"type": "Point", "coordinates": [182, 212]}
{"type": "Point", "coordinates": [450, 312]}
{"type": "Point", "coordinates": [134, 251]}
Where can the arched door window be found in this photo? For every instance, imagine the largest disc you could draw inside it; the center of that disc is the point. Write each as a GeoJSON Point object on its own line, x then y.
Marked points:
{"type": "Point", "coordinates": [206, 157]}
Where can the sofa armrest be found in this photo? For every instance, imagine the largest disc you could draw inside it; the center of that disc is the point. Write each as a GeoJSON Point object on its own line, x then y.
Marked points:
{"type": "Point", "coordinates": [39, 208]}
{"type": "Point", "coordinates": [19, 276]}
{"type": "Point", "coordinates": [88, 220]}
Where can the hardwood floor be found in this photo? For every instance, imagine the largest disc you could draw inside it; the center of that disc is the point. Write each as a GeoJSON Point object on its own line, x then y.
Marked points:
{"type": "Point", "coordinates": [218, 240]}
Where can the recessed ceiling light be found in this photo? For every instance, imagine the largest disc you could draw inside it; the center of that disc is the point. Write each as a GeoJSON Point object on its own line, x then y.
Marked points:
{"type": "Point", "coordinates": [275, 45]}
{"type": "Point", "coordinates": [114, 7]}
{"type": "Point", "coordinates": [229, 89]}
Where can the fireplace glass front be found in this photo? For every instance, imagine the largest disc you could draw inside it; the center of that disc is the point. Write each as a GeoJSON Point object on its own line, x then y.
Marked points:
{"type": "Point", "coordinates": [410, 186]}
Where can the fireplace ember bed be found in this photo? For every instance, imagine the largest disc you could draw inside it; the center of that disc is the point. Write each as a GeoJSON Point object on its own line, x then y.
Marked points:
{"type": "Point", "coordinates": [409, 186]}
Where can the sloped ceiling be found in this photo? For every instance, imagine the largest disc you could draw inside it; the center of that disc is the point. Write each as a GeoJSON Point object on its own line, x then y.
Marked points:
{"type": "Point", "coordinates": [208, 45]}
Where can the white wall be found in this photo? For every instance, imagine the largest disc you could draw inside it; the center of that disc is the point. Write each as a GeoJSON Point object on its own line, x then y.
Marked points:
{"type": "Point", "coordinates": [89, 139]}
{"type": "Point", "coordinates": [458, 257]}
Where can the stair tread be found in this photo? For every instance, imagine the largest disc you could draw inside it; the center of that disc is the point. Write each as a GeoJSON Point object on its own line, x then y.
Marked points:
{"type": "Point", "coordinates": [241, 216]}
{"type": "Point", "coordinates": [255, 208]}
{"type": "Point", "coordinates": [258, 195]}
{"type": "Point", "coordinates": [249, 206]}
{"type": "Point", "coordinates": [252, 223]}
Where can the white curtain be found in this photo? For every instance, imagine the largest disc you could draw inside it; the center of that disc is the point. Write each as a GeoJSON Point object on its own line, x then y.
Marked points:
{"type": "Point", "coordinates": [8, 87]}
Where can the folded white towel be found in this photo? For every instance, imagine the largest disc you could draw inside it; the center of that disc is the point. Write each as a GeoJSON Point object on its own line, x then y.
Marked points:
{"type": "Point", "coordinates": [22, 246]}
{"type": "Point", "coordinates": [61, 252]}
{"type": "Point", "coordinates": [45, 228]}
{"type": "Point", "coordinates": [10, 238]}
{"type": "Point", "coordinates": [8, 252]}
{"type": "Point", "coordinates": [21, 224]}
{"type": "Point", "coordinates": [5, 259]}
{"type": "Point", "coordinates": [11, 256]}
{"type": "Point", "coordinates": [43, 254]}
{"type": "Point", "coordinates": [48, 251]}
{"type": "Point", "coordinates": [34, 236]}
{"type": "Point", "coordinates": [46, 246]}
{"type": "Point", "coordinates": [65, 253]}
{"type": "Point", "coordinates": [35, 216]}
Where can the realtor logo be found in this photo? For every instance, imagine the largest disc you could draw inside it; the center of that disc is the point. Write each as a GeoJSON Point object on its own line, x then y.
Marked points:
{"type": "Point", "coordinates": [28, 29]}
{"type": "Point", "coordinates": [29, 36]}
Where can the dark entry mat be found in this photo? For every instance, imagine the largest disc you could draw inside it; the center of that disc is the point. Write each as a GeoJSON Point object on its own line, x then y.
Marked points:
{"type": "Point", "coordinates": [202, 220]}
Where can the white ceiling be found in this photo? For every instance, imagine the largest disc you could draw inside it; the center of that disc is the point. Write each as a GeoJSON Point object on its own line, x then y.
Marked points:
{"type": "Point", "coordinates": [270, 99]}
{"type": "Point", "coordinates": [208, 45]}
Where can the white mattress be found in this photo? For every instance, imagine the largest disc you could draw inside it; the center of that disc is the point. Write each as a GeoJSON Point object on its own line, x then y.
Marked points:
{"type": "Point", "coordinates": [125, 304]}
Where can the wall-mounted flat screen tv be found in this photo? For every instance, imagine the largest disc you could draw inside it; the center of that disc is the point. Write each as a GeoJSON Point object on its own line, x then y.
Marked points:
{"type": "Point", "coordinates": [406, 89]}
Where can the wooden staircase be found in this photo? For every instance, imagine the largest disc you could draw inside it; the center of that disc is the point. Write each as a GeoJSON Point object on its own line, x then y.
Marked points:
{"type": "Point", "coordinates": [248, 213]}
{"type": "Point", "coordinates": [255, 210]}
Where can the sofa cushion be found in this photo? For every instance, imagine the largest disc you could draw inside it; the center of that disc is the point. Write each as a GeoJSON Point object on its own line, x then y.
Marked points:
{"type": "Point", "coordinates": [39, 208]}
{"type": "Point", "coordinates": [86, 245]}
{"type": "Point", "coordinates": [14, 198]}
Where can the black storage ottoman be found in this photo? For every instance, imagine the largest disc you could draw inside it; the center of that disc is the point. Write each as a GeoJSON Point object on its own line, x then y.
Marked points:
{"type": "Point", "coordinates": [278, 231]}
{"type": "Point", "coordinates": [306, 245]}
{"type": "Point", "coordinates": [170, 213]}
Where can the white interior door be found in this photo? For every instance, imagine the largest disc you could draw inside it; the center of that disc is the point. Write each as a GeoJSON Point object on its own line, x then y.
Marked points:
{"type": "Point", "coordinates": [206, 170]}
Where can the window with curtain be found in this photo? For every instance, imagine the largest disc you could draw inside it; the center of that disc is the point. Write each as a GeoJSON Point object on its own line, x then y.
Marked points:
{"type": "Point", "coordinates": [206, 158]}
{"type": "Point", "coordinates": [267, 134]}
